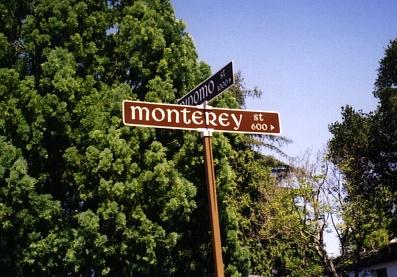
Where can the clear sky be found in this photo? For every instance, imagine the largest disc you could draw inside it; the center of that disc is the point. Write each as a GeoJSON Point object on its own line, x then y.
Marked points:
{"type": "Point", "coordinates": [309, 57]}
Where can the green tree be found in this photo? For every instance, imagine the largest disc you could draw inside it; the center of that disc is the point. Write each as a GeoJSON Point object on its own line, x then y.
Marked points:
{"type": "Point", "coordinates": [24, 213]}
{"type": "Point", "coordinates": [81, 193]}
{"type": "Point", "coordinates": [364, 147]}
{"type": "Point", "coordinates": [290, 218]}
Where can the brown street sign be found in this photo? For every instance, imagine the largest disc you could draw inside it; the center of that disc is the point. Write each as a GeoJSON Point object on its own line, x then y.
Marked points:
{"type": "Point", "coordinates": [136, 113]}
{"type": "Point", "coordinates": [210, 88]}
{"type": "Point", "coordinates": [147, 114]}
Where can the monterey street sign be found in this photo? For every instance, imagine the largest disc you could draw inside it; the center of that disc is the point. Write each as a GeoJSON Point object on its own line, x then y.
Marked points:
{"type": "Point", "coordinates": [210, 88]}
{"type": "Point", "coordinates": [191, 114]}
{"type": "Point", "coordinates": [147, 114]}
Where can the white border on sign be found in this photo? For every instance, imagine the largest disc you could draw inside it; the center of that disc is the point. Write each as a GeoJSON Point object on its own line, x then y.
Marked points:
{"type": "Point", "coordinates": [197, 129]}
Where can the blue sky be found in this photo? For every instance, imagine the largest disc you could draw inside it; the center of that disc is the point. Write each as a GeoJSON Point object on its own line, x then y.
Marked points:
{"type": "Point", "coordinates": [308, 57]}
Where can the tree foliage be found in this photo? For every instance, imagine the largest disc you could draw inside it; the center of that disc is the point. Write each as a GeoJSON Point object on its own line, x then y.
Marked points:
{"type": "Point", "coordinates": [294, 220]}
{"type": "Point", "coordinates": [81, 194]}
{"type": "Point", "coordinates": [364, 147]}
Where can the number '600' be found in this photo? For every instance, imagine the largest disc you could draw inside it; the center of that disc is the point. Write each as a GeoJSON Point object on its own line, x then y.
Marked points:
{"type": "Point", "coordinates": [258, 127]}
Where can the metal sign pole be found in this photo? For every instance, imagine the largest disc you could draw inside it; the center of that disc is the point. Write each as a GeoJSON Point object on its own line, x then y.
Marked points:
{"type": "Point", "coordinates": [206, 135]}
{"type": "Point", "coordinates": [147, 114]}
{"type": "Point", "coordinates": [213, 204]}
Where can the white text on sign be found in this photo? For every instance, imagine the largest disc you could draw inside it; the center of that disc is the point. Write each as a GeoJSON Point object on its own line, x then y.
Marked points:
{"type": "Point", "coordinates": [185, 116]}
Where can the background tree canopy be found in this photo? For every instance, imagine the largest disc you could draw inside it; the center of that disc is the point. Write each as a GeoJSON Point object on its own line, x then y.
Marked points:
{"type": "Point", "coordinates": [364, 147]}
{"type": "Point", "coordinates": [82, 194]}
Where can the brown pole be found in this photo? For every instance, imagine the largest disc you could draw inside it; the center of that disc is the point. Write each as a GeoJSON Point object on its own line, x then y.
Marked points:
{"type": "Point", "coordinates": [213, 204]}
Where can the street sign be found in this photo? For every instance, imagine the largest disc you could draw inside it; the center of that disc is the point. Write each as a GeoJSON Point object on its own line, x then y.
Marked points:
{"type": "Point", "coordinates": [210, 88]}
{"type": "Point", "coordinates": [205, 119]}
{"type": "Point", "coordinates": [136, 113]}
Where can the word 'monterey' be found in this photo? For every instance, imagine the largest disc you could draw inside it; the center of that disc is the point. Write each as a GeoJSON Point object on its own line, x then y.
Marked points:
{"type": "Point", "coordinates": [185, 116]}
